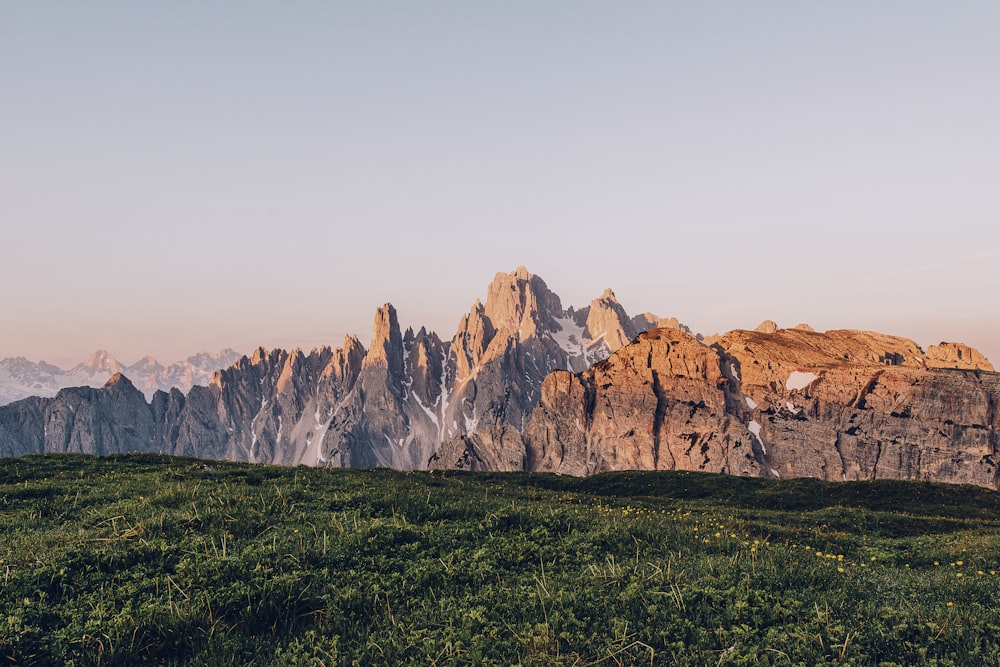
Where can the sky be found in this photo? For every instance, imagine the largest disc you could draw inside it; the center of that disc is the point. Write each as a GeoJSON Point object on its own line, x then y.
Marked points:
{"type": "Point", "coordinates": [185, 176]}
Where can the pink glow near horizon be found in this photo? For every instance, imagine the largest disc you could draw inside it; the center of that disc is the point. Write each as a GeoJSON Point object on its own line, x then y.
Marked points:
{"type": "Point", "coordinates": [180, 179]}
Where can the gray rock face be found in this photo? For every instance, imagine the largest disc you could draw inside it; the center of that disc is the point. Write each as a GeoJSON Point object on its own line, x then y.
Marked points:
{"type": "Point", "coordinates": [113, 420]}
{"type": "Point", "coordinates": [662, 403]}
{"type": "Point", "coordinates": [411, 401]}
{"type": "Point", "coordinates": [22, 427]}
{"type": "Point", "coordinates": [501, 354]}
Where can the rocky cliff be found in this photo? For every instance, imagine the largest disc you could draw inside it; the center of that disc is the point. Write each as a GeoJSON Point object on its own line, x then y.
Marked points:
{"type": "Point", "coordinates": [410, 401]}
{"type": "Point", "coordinates": [662, 403]}
{"type": "Point", "coordinates": [525, 383]}
{"type": "Point", "coordinates": [840, 405]}
{"type": "Point", "coordinates": [112, 420]}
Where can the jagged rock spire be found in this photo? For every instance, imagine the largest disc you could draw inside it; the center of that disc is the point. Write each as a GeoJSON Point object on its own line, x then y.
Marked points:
{"type": "Point", "coordinates": [387, 341]}
{"type": "Point", "coordinates": [521, 302]}
{"type": "Point", "coordinates": [607, 320]}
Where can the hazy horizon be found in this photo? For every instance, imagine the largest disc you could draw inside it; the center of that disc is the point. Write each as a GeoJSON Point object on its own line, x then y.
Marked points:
{"type": "Point", "coordinates": [186, 177]}
{"type": "Point", "coordinates": [333, 339]}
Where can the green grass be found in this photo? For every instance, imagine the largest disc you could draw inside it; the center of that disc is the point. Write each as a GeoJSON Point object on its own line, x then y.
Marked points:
{"type": "Point", "coordinates": [153, 560]}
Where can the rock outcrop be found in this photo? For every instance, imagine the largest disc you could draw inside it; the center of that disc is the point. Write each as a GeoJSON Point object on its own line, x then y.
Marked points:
{"type": "Point", "coordinates": [410, 401]}
{"type": "Point", "coordinates": [112, 420]}
{"type": "Point", "coordinates": [605, 320]}
{"type": "Point", "coordinates": [525, 384]}
{"type": "Point", "coordinates": [498, 360]}
{"type": "Point", "coordinates": [847, 405]}
{"type": "Point", "coordinates": [840, 405]}
{"type": "Point", "coordinates": [662, 403]}
{"type": "Point", "coordinates": [647, 321]}
{"type": "Point", "coordinates": [957, 355]}
{"type": "Point", "coordinates": [767, 326]}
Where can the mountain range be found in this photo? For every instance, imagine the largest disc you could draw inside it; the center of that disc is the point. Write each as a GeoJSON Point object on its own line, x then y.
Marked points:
{"type": "Point", "coordinates": [528, 384]}
{"type": "Point", "coordinates": [20, 378]}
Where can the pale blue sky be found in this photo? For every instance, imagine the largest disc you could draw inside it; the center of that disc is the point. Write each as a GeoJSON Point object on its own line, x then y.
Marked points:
{"type": "Point", "coordinates": [181, 176]}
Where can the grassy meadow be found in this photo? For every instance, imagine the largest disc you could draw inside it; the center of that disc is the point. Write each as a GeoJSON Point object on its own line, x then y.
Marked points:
{"type": "Point", "coordinates": [146, 559]}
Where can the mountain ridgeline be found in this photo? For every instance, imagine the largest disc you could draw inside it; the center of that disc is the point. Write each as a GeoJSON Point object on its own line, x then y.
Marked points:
{"type": "Point", "coordinates": [410, 401]}
{"type": "Point", "coordinates": [20, 378]}
{"type": "Point", "coordinates": [525, 384]}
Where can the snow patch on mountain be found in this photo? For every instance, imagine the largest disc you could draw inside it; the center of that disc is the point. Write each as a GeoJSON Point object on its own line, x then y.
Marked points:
{"type": "Point", "coordinates": [754, 427]}
{"type": "Point", "coordinates": [799, 380]}
{"type": "Point", "coordinates": [573, 340]}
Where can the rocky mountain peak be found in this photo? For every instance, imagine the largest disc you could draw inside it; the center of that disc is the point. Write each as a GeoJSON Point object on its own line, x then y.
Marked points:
{"type": "Point", "coordinates": [521, 273]}
{"type": "Point", "coordinates": [841, 404]}
{"type": "Point", "coordinates": [387, 340]}
{"type": "Point", "coordinates": [345, 364]}
{"type": "Point", "coordinates": [352, 344]}
{"type": "Point", "coordinates": [475, 332]}
{"type": "Point", "coordinates": [425, 356]}
{"type": "Point", "coordinates": [101, 361]}
{"type": "Point", "coordinates": [521, 302]}
{"type": "Point", "coordinates": [608, 321]}
{"type": "Point", "coordinates": [291, 370]}
{"type": "Point", "coordinates": [118, 380]}
{"type": "Point", "coordinates": [767, 326]}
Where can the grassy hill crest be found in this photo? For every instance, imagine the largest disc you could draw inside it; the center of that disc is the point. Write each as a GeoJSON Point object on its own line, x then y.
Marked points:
{"type": "Point", "coordinates": [151, 559]}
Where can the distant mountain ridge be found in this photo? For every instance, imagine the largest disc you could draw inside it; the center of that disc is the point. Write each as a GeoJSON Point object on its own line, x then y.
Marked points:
{"type": "Point", "coordinates": [528, 384]}
{"type": "Point", "coordinates": [21, 378]}
{"type": "Point", "coordinates": [411, 400]}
